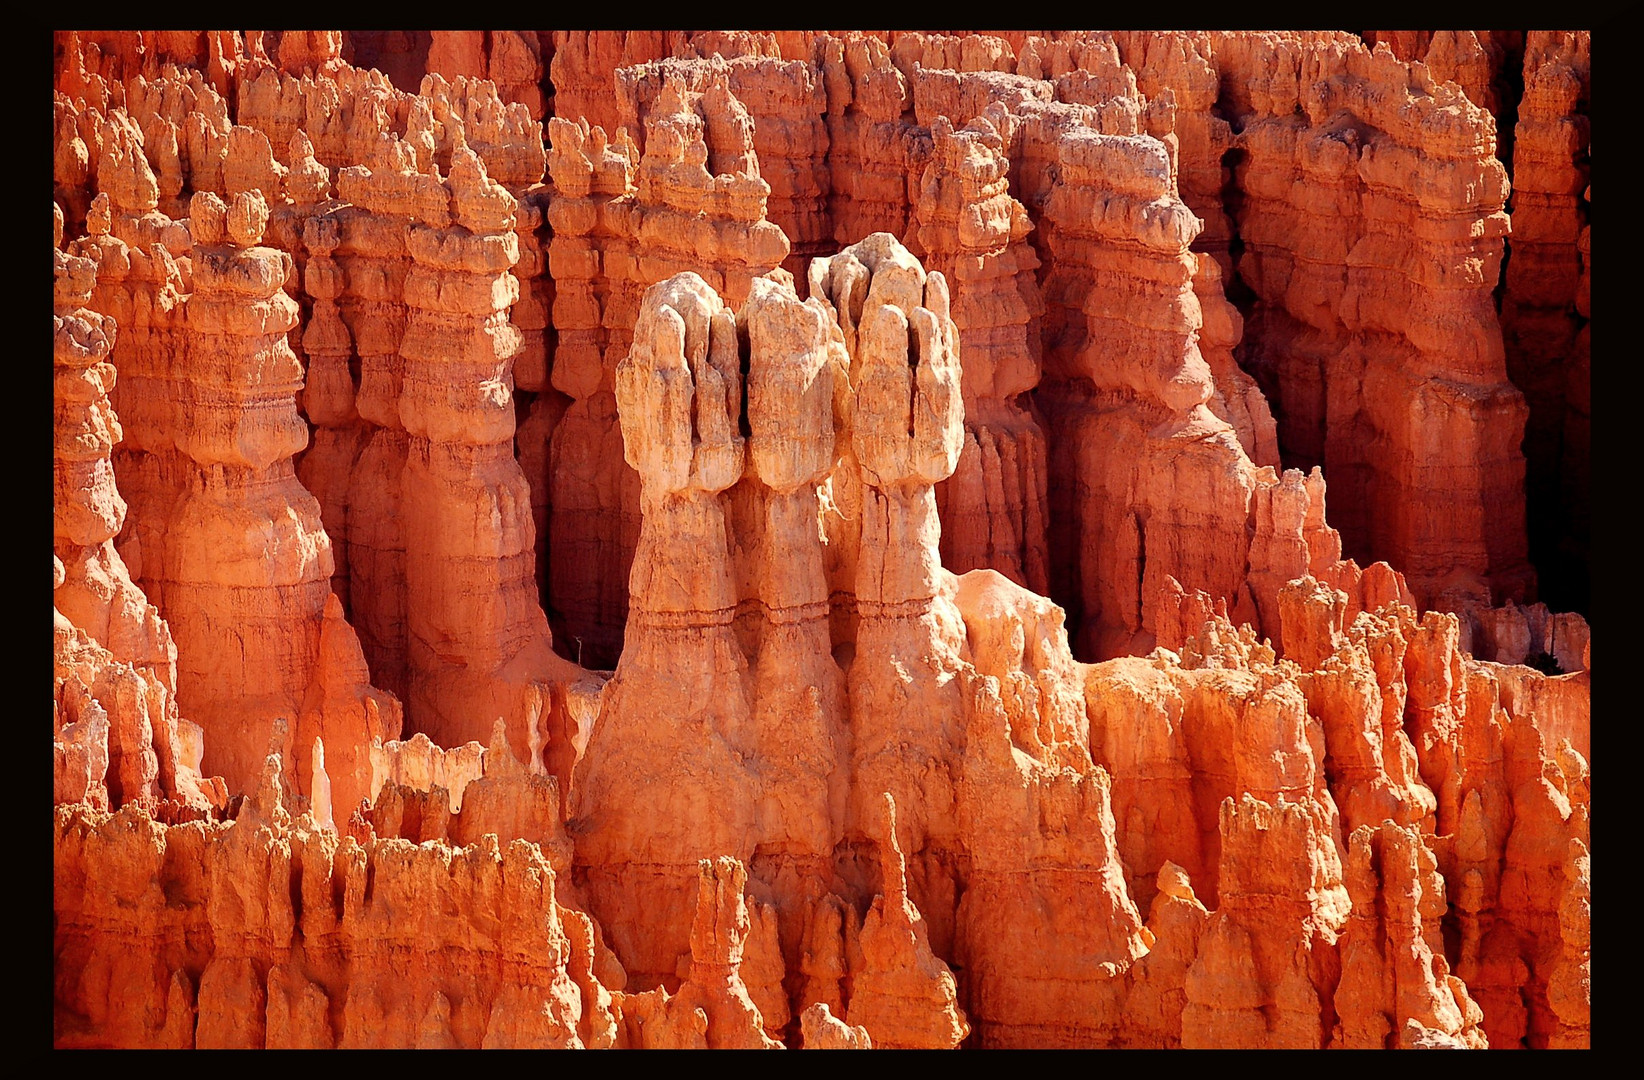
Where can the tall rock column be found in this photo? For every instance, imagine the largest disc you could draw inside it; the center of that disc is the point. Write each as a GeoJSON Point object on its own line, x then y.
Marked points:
{"type": "Point", "coordinates": [478, 642]}
{"type": "Point", "coordinates": [329, 397]}
{"type": "Point", "coordinates": [510, 144]}
{"type": "Point", "coordinates": [975, 233]}
{"type": "Point", "coordinates": [372, 263]}
{"type": "Point", "coordinates": [146, 461]}
{"type": "Point", "coordinates": [797, 377]}
{"type": "Point", "coordinates": [143, 287]}
{"type": "Point", "coordinates": [866, 98]}
{"type": "Point", "coordinates": [248, 565]}
{"type": "Point", "coordinates": [1176, 63]}
{"type": "Point", "coordinates": [117, 735]}
{"type": "Point", "coordinates": [1134, 408]}
{"type": "Point", "coordinates": [1373, 229]}
{"type": "Point", "coordinates": [589, 484]}
{"type": "Point", "coordinates": [1540, 316]}
{"type": "Point", "coordinates": [697, 204]}
{"type": "Point", "coordinates": [667, 779]}
{"type": "Point", "coordinates": [906, 431]}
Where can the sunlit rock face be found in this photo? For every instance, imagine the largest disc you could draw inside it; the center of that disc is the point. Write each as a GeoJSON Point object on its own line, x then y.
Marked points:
{"type": "Point", "coordinates": [819, 539]}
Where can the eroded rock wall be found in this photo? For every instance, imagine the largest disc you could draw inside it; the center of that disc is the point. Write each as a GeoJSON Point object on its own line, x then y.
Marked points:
{"type": "Point", "coordinates": [732, 393]}
{"type": "Point", "coordinates": [623, 220]}
{"type": "Point", "coordinates": [269, 931]}
{"type": "Point", "coordinates": [1541, 312]}
{"type": "Point", "coordinates": [118, 737]}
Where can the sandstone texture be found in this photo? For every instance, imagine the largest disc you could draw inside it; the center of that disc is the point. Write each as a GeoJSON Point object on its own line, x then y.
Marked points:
{"type": "Point", "coordinates": [800, 539]}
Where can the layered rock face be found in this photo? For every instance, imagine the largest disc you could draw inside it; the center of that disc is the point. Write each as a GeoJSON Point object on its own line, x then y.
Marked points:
{"type": "Point", "coordinates": [210, 462]}
{"type": "Point", "coordinates": [872, 410]}
{"type": "Point", "coordinates": [146, 277]}
{"type": "Point", "coordinates": [1320, 308]}
{"type": "Point", "coordinates": [867, 96]}
{"type": "Point", "coordinates": [1127, 336]}
{"type": "Point", "coordinates": [1402, 514]}
{"type": "Point", "coordinates": [1176, 64]}
{"type": "Point", "coordinates": [975, 234]}
{"type": "Point", "coordinates": [510, 143]}
{"type": "Point", "coordinates": [784, 385]}
{"type": "Point", "coordinates": [512, 59]}
{"type": "Point", "coordinates": [870, 86]}
{"type": "Point", "coordinates": [248, 567]}
{"type": "Point", "coordinates": [478, 639]}
{"type": "Point", "coordinates": [1137, 386]}
{"type": "Point", "coordinates": [442, 450]}
{"type": "Point", "coordinates": [1317, 912]}
{"type": "Point", "coordinates": [584, 68]}
{"type": "Point", "coordinates": [1404, 829]}
{"type": "Point", "coordinates": [117, 735]}
{"type": "Point", "coordinates": [1475, 60]}
{"type": "Point", "coordinates": [781, 80]}
{"type": "Point", "coordinates": [1249, 823]}
{"type": "Point", "coordinates": [366, 272]}
{"type": "Point", "coordinates": [622, 221]}
{"type": "Point", "coordinates": [681, 412]}
{"type": "Point", "coordinates": [1541, 311]}
{"type": "Point", "coordinates": [269, 931]}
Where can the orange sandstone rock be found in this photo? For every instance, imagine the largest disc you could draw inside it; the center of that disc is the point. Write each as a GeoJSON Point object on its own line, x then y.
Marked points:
{"type": "Point", "coordinates": [993, 509]}
{"type": "Point", "coordinates": [117, 735]}
{"type": "Point", "coordinates": [824, 1031]}
{"type": "Point", "coordinates": [902, 992]}
{"type": "Point", "coordinates": [250, 626]}
{"type": "Point", "coordinates": [272, 931]}
{"type": "Point", "coordinates": [867, 96]}
{"type": "Point", "coordinates": [1540, 314]}
{"type": "Point", "coordinates": [1378, 139]}
{"type": "Point", "coordinates": [584, 69]}
{"type": "Point", "coordinates": [1396, 988]}
{"type": "Point", "coordinates": [713, 1009]}
{"type": "Point", "coordinates": [693, 201]}
{"type": "Point", "coordinates": [1347, 822]}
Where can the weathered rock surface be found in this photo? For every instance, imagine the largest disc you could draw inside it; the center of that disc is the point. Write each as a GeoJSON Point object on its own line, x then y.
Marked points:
{"type": "Point", "coordinates": [511, 59]}
{"type": "Point", "coordinates": [1541, 311]}
{"type": "Point", "coordinates": [269, 931]}
{"type": "Point", "coordinates": [235, 549]}
{"type": "Point", "coordinates": [117, 736]}
{"type": "Point", "coordinates": [975, 234]}
{"type": "Point", "coordinates": [1387, 292]}
{"type": "Point", "coordinates": [624, 220]}
{"type": "Point", "coordinates": [788, 399]}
